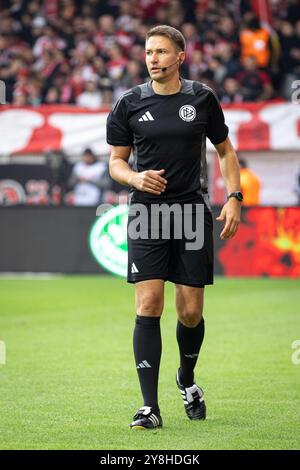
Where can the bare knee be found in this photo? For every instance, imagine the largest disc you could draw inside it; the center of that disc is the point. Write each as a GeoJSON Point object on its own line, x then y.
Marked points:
{"type": "Point", "coordinates": [150, 305]}
{"type": "Point", "coordinates": [189, 305]}
{"type": "Point", "coordinates": [190, 317]}
{"type": "Point", "coordinates": [149, 298]}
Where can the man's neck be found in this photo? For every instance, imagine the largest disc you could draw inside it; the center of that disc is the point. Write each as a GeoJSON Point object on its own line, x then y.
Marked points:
{"type": "Point", "coordinates": [168, 88]}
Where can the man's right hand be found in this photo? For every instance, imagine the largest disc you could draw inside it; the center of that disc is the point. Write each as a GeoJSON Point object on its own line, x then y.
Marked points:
{"type": "Point", "coordinates": [149, 181]}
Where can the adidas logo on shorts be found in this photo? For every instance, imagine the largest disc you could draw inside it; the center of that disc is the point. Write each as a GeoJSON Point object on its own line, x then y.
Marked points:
{"type": "Point", "coordinates": [134, 269]}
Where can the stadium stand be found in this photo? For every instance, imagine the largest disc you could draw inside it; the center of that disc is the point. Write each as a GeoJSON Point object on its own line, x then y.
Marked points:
{"type": "Point", "coordinates": [88, 52]}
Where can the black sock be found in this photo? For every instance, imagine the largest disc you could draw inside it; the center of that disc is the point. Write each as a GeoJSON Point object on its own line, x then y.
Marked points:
{"type": "Point", "coordinates": [189, 342]}
{"type": "Point", "coordinates": [147, 352]}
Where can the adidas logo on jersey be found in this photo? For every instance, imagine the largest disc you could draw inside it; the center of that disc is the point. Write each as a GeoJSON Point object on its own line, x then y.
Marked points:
{"type": "Point", "coordinates": [134, 269]}
{"type": "Point", "coordinates": [144, 365]}
{"type": "Point", "coordinates": [147, 117]}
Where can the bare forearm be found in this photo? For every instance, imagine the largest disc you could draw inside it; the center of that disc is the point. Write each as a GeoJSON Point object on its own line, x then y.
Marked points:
{"type": "Point", "coordinates": [150, 181]}
{"type": "Point", "coordinates": [121, 172]}
{"type": "Point", "coordinates": [230, 170]}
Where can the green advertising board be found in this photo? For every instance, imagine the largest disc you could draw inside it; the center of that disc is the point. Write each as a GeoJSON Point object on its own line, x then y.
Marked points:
{"type": "Point", "coordinates": [108, 240]}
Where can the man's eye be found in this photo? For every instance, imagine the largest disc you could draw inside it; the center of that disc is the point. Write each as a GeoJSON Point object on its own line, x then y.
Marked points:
{"type": "Point", "coordinates": [160, 52]}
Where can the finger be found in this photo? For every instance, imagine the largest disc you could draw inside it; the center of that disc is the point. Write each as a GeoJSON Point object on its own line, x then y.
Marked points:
{"type": "Point", "coordinates": [158, 178]}
{"type": "Point", "coordinates": [226, 230]}
{"type": "Point", "coordinates": [152, 191]}
{"type": "Point", "coordinates": [230, 229]}
{"type": "Point", "coordinates": [230, 234]}
{"type": "Point", "coordinates": [155, 184]}
{"type": "Point", "coordinates": [153, 187]}
{"type": "Point", "coordinates": [234, 230]}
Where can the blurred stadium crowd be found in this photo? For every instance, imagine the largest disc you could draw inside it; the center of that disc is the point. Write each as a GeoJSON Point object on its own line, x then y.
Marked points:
{"type": "Point", "coordinates": [87, 52]}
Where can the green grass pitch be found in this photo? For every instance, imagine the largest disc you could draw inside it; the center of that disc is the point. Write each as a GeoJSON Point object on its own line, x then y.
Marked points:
{"type": "Point", "coordinates": [69, 381]}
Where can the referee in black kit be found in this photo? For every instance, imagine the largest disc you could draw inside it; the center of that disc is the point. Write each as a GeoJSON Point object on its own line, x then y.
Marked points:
{"type": "Point", "coordinates": [166, 122]}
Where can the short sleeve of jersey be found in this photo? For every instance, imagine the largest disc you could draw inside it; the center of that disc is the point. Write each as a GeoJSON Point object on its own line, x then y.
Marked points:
{"type": "Point", "coordinates": [118, 131]}
{"type": "Point", "coordinates": [216, 129]}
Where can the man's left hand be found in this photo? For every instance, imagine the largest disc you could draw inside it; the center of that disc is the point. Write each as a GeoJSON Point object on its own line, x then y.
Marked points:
{"type": "Point", "coordinates": [231, 213]}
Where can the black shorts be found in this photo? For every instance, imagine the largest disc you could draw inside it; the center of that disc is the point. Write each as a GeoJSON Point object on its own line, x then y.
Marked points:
{"type": "Point", "coordinates": [158, 257]}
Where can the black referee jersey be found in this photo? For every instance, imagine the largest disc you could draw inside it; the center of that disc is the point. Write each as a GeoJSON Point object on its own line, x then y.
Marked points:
{"type": "Point", "coordinates": [169, 132]}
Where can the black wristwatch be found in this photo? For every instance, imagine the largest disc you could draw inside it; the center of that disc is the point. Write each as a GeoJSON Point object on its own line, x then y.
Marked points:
{"type": "Point", "coordinates": [237, 194]}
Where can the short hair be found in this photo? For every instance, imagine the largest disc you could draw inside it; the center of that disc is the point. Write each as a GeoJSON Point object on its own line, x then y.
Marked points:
{"type": "Point", "coordinates": [169, 32]}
